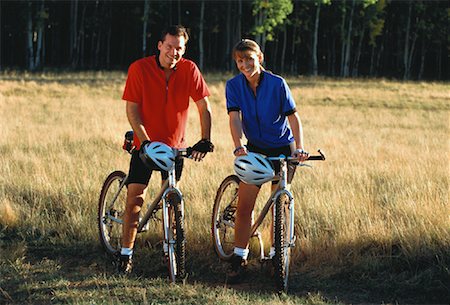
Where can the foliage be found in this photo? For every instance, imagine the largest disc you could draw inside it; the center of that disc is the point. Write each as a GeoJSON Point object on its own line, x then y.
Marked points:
{"type": "Point", "coordinates": [275, 13]}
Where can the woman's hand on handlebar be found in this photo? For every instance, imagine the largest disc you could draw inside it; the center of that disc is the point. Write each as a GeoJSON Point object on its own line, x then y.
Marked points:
{"type": "Point", "coordinates": [240, 151]}
{"type": "Point", "coordinates": [300, 154]}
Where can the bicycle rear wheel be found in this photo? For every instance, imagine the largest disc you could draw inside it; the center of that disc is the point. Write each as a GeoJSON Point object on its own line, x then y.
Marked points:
{"type": "Point", "coordinates": [282, 242]}
{"type": "Point", "coordinates": [111, 208]}
{"type": "Point", "coordinates": [223, 216]}
{"type": "Point", "coordinates": [176, 241]}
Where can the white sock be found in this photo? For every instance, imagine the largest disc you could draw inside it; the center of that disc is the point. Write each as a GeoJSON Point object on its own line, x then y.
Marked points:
{"type": "Point", "coordinates": [126, 251]}
{"type": "Point", "coordinates": [241, 252]}
{"type": "Point", "coordinates": [272, 252]}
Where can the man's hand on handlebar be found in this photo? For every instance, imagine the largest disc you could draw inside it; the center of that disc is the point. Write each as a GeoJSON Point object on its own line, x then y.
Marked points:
{"type": "Point", "coordinates": [201, 148]}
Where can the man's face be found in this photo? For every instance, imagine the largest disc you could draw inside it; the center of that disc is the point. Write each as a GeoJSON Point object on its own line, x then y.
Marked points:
{"type": "Point", "coordinates": [171, 50]}
{"type": "Point", "coordinates": [248, 63]}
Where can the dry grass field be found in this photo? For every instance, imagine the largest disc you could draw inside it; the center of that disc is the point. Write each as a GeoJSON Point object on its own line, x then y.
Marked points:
{"type": "Point", "coordinates": [372, 222]}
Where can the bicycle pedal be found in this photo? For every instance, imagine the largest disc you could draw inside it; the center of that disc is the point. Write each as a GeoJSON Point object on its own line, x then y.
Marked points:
{"type": "Point", "coordinates": [256, 234]}
{"type": "Point", "coordinates": [146, 227]}
{"type": "Point", "coordinates": [292, 243]}
{"type": "Point", "coordinates": [265, 260]}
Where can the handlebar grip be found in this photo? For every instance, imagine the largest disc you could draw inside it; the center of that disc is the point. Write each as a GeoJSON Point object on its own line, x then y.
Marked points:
{"type": "Point", "coordinates": [320, 157]}
{"type": "Point", "coordinates": [189, 151]}
{"type": "Point", "coordinates": [315, 158]}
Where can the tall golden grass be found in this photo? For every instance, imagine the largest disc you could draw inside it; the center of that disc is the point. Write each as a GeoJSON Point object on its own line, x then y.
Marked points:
{"type": "Point", "coordinates": [383, 191]}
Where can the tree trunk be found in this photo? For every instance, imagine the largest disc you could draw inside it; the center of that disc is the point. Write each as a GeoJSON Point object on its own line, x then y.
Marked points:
{"type": "Point", "coordinates": [423, 51]}
{"type": "Point", "coordinates": [40, 33]}
{"type": "Point", "coordinates": [275, 55]}
{"type": "Point", "coordinates": [283, 51]}
{"type": "Point", "coordinates": [372, 57]}
{"type": "Point", "coordinates": [238, 23]}
{"type": "Point", "coordinates": [315, 39]}
{"type": "Point", "coordinates": [81, 39]}
{"type": "Point", "coordinates": [200, 35]}
{"type": "Point", "coordinates": [228, 30]}
{"type": "Point", "coordinates": [343, 40]}
{"type": "Point", "coordinates": [333, 56]}
{"type": "Point", "coordinates": [179, 11]}
{"type": "Point", "coordinates": [97, 49]}
{"type": "Point", "coordinates": [411, 55]}
{"type": "Point", "coordinates": [108, 38]}
{"type": "Point", "coordinates": [30, 48]}
{"type": "Point", "coordinates": [73, 30]}
{"type": "Point", "coordinates": [406, 49]}
{"type": "Point", "coordinates": [355, 68]}
{"type": "Point", "coordinates": [258, 22]}
{"type": "Point", "coordinates": [237, 32]}
{"type": "Point", "coordinates": [380, 52]}
{"type": "Point", "coordinates": [348, 44]}
{"type": "Point", "coordinates": [439, 61]}
{"type": "Point", "coordinates": [293, 65]}
{"type": "Point", "coordinates": [108, 48]}
{"type": "Point", "coordinates": [144, 27]}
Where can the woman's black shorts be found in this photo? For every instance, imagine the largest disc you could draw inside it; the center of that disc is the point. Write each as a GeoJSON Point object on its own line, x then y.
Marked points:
{"type": "Point", "coordinates": [275, 152]}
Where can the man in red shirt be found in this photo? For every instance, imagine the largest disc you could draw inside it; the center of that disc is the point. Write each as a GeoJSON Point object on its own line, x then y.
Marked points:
{"type": "Point", "coordinates": [157, 92]}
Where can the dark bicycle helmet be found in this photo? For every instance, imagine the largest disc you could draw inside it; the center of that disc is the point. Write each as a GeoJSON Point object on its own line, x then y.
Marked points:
{"type": "Point", "coordinates": [253, 168]}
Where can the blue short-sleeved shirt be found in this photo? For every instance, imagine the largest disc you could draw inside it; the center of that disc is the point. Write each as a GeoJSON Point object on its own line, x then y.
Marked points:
{"type": "Point", "coordinates": [264, 116]}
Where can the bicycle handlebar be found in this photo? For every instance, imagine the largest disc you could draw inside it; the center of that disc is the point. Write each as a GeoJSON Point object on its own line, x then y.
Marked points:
{"type": "Point", "coordinates": [184, 152]}
{"type": "Point", "coordinates": [319, 157]}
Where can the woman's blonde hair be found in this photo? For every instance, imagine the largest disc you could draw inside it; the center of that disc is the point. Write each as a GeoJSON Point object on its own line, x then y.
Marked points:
{"type": "Point", "coordinates": [246, 45]}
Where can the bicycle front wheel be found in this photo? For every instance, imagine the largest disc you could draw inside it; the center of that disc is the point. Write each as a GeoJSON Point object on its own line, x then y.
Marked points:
{"type": "Point", "coordinates": [176, 241]}
{"type": "Point", "coordinates": [223, 217]}
{"type": "Point", "coordinates": [111, 209]}
{"type": "Point", "coordinates": [282, 242]}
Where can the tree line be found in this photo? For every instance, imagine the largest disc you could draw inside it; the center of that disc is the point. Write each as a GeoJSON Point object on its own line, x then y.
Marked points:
{"type": "Point", "coordinates": [346, 38]}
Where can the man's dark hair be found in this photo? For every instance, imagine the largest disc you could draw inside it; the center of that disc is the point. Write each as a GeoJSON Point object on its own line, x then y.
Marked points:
{"type": "Point", "coordinates": [175, 30]}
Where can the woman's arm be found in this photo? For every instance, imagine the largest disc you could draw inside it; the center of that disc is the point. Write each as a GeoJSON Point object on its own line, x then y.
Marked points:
{"type": "Point", "coordinates": [236, 133]}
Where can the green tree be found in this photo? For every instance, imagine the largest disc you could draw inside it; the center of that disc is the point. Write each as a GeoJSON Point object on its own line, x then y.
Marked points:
{"type": "Point", "coordinates": [268, 15]}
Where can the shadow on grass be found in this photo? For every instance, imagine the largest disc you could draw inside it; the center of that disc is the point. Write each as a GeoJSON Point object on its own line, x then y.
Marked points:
{"type": "Point", "coordinates": [376, 280]}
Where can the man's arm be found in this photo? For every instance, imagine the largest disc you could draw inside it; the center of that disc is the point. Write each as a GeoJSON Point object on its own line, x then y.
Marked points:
{"type": "Point", "coordinates": [204, 110]}
{"type": "Point", "coordinates": [134, 117]}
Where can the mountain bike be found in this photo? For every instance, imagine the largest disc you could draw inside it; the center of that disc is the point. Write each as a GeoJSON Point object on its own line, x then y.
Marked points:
{"type": "Point", "coordinates": [282, 201]}
{"type": "Point", "coordinates": [111, 209]}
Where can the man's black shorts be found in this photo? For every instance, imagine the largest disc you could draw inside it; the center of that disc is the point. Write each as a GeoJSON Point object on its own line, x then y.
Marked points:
{"type": "Point", "coordinates": [140, 173]}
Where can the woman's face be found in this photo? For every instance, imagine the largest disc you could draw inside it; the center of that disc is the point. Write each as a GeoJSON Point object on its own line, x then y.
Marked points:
{"type": "Point", "coordinates": [248, 63]}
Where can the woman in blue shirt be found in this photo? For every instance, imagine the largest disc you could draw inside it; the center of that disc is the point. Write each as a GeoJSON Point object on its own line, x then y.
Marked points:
{"type": "Point", "coordinates": [261, 107]}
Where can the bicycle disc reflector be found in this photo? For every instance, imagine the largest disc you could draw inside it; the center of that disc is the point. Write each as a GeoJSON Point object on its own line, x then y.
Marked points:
{"type": "Point", "coordinates": [253, 168]}
{"type": "Point", "coordinates": [161, 154]}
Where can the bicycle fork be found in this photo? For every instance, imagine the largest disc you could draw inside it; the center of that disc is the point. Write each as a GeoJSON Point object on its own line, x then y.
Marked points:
{"type": "Point", "coordinates": [166, 204]}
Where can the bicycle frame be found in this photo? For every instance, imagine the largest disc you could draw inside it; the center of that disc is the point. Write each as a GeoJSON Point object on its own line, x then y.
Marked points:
{"type": "Point", "coordinates": [279, 190]}
{"type": "Point", "coordinates": [168, 187]}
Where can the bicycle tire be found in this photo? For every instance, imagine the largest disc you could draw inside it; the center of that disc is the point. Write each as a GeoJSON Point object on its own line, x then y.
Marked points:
{"type": "Point", "coordinates": [281, 239]}
{"type": "Point", "coordinates": [177, 240]}
{"type": "Point", "coordinates": [109, 217]}
{"type": "Point", "coordinates": [223, 216]}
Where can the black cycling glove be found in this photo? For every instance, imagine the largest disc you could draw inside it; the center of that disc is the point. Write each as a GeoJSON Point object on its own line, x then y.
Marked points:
{"type": "Point", "coordinates": [203, 146]}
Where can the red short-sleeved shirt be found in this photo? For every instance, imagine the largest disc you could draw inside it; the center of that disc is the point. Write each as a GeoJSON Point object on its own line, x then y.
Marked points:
{"type": "Point", "coordinates": [164, 105]}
